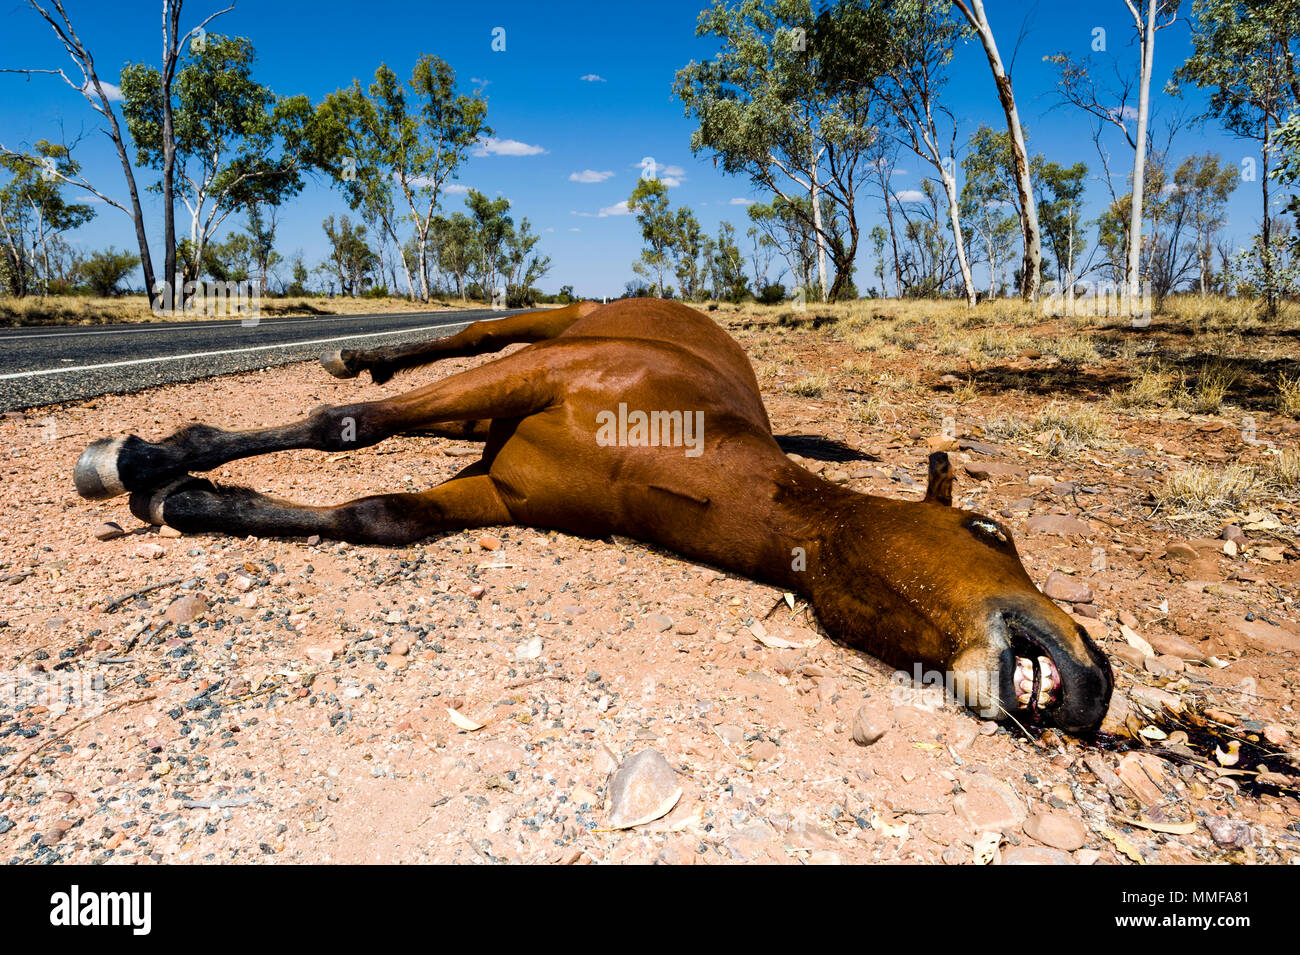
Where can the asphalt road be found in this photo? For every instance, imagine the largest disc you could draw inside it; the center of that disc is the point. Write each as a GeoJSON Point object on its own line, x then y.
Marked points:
{"type": "Point", "coordinates": [49, 364]}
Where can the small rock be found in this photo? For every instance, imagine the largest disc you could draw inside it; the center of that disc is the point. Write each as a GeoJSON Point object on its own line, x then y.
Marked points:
{"type": "Point", "coordinates": [488, 542]}
{"type": "Point", "coordinates": [643, 789]}
{"type": "Point", "coordinates": [989, 804]}
{"type": "Point", "coordinates": [825, 857]}
{"type": "Point", "coordinates": [1169, 645]}
{"type": "Point", "coordinates": [186, 608]}
{"type": "Point", "coordinates": [1234, 534]}
{"type": "Point", "coordinates": [166, 531]}
{"type": "Point", "coordinates": [659, 622]}
{"type": "Point", "coordinates": [1056, 829]}
{"type": "Point", "coordinates": [1230, 833]}
{"type": "Point", "coordinates": [1060, 586]}
{"type": "Point", "coordinates": [1034, 855]}
{"type": "Point", "coordinates": [530, 649]}
{"type": "Point", "coordinates": [1276, 734]}
{"type": "Point", "coordinates": [150, 551]}
{"type": "Point", "coordinates": [1061, 524]}
{"type": "Point", "coordinates": [320, 654]}
{"type": "Point", "coordinates": [866, 730]}
{"type": "Point", "coordinates": [1180, 551]}
{"type": "Point", "coordinates": [108, 531]}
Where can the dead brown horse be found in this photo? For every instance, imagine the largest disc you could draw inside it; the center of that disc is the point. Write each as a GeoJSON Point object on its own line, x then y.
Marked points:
{"type": "Point", "coordinates": [569, 423]}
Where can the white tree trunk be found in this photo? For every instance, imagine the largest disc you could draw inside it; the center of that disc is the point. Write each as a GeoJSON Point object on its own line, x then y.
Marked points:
{"type": "Point", "coordinates": [815, 193]}
{"type": "Point", "coordinates": [1033, 243]}
{"type": "Point", "coordinates": [1148, 38]}
{"type": "Point", "coordinates": [954, 213]}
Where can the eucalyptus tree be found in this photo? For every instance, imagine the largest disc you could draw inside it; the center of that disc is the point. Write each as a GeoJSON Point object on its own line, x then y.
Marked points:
{"type": "Point", "coordinates": [101, 95]}
{"type": "Point", "coordinates": [649, 203]}
{"type": "Point", "coordinates": [1244, 53]}
{"type": "Point", "coordinates": [393, 144]}
{"type": "Point", "coordinates": [923, 37]}
{"type": "Point", "coordinates": [1031, 264]}
{"type": "Point", "coordinates": [34, 213]}
{"type": "Point", "coordinates": [233, 143]}
{"type": "Point", "coordinates": [1079, 89]}
{"type": "Point", "coordinates": [985, 199]}
{"type": "Point", "coordinates": [787, 100]}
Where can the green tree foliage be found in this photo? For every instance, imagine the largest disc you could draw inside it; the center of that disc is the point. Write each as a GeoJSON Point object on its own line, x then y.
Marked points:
{"type": "Point", "coordinates": [104, 271]}
{"type": "Point", "coordinates": [393, 142]}
{"type": "Point", "coordinates": [1244, 53]}
{"type": "Point", "coordinates": [786, 101]}
{"type": "Point", "coordinates": [351, 259]}
{"type": "Point", "coordinates": [34, 214]}
{"type": "Point", "coordinates": [649, 203]}
{"type": "Point", "coordinates": [236, 142]}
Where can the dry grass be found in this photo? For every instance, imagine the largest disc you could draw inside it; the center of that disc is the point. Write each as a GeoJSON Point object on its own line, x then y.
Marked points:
{"type": "Point", "coordinates": [1153, 386]}
{"type": "Point", "coordinates": [813, 386]}
{"type": "Point", "coordinates": [1282, 471]}
{"type": "Point", "coordinates": [84, 310]}
{"type": "Point", "coordinates": [1203, 492]}
{"type": "Point", "coordinates": [1212, 386]}
{"type": "Point", "coordinates": [1288, 396]}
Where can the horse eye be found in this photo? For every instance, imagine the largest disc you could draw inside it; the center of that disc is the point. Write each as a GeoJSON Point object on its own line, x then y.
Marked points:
{"type": "Point", "coordinates": [988, 529]}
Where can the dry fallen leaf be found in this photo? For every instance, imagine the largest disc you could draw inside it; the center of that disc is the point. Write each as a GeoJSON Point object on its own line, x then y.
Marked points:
{"type": "Point", "coordinates": [1174, 828]}
{"type": "Point", "coordinates": [464, 722]}
{"type": "Point", "coordinates": [1136, 641]}
{"type": "Point", "coordinates": [773, 642]}
{"type": "Point", "coordinates": [986, 847]}
{"type": "Point", "coordinates": [1123, 845]}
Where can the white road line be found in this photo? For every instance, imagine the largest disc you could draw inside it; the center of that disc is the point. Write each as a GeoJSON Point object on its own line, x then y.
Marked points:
{"type": "Point", "coordinates": [224, 351]}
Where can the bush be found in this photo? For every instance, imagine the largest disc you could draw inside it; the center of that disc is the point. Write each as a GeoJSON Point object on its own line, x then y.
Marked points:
{"type": "Point", "coordinates": [104, 271]}
{"type": "Point", "coordinates": [773, 294]}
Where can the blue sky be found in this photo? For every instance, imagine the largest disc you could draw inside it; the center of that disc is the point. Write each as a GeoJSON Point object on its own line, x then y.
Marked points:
{"type": "Point", "coordinates": [559, 124]}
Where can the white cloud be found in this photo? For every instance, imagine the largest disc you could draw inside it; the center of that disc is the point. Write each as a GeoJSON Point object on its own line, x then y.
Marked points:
{"type": "Point", "coordinates": [589, 175]}
{"type": "Point", "coordinates": [1124, 112]}
{"type": "Point", "coordinates": [592, 78]}
{"type": "Point", "coordinates": [574, 229]}
{"type": "Point", "coordinates": [741, 202]}
{"type": "Point", "coordinates": [671, 176]}
{"type": "Point", "coordinates": [491, 146]}
{"type": "Point", "coordinates": [456, 189]}
{"type": "Point", "coordinates": [549, 229]}
{"type": "Point", "coordinates": [618, 209]}
{"type": "Point", "coordinates": [480, 83]}
{"type": "Point", "coordinates": [112, 91]}
{"type": "Point", "coordinates": [910, 195]}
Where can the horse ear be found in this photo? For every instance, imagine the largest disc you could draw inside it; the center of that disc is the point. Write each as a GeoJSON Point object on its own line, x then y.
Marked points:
{"type": "Point", "coordinates": [939, 489]}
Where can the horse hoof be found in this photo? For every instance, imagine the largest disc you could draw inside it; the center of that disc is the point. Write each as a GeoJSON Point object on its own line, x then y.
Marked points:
{"type": "Point", "coordinates": [332, 361]}
{"type": "Point", "coordinates": [96, 474]}
{"type": "Point", "coordinates": [149, 506]}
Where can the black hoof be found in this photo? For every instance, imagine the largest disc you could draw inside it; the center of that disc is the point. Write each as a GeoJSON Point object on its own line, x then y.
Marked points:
{"type": "Point", "coordinates": [380, 373]}
{"type": "Point", "coordinates": [152, 506]}
{"type": "Point", "coordinates": [333, 362]}
{"type": "Point", "coordinates": [97, 474]}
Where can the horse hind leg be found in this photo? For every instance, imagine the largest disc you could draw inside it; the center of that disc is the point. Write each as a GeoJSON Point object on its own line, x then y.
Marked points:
{"type": "Point", "coordinates": [196, 505]}
{"type": "Point", "coordinates": [479, 338]}
{"type": "Point", "coordinates": [511, 387]}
